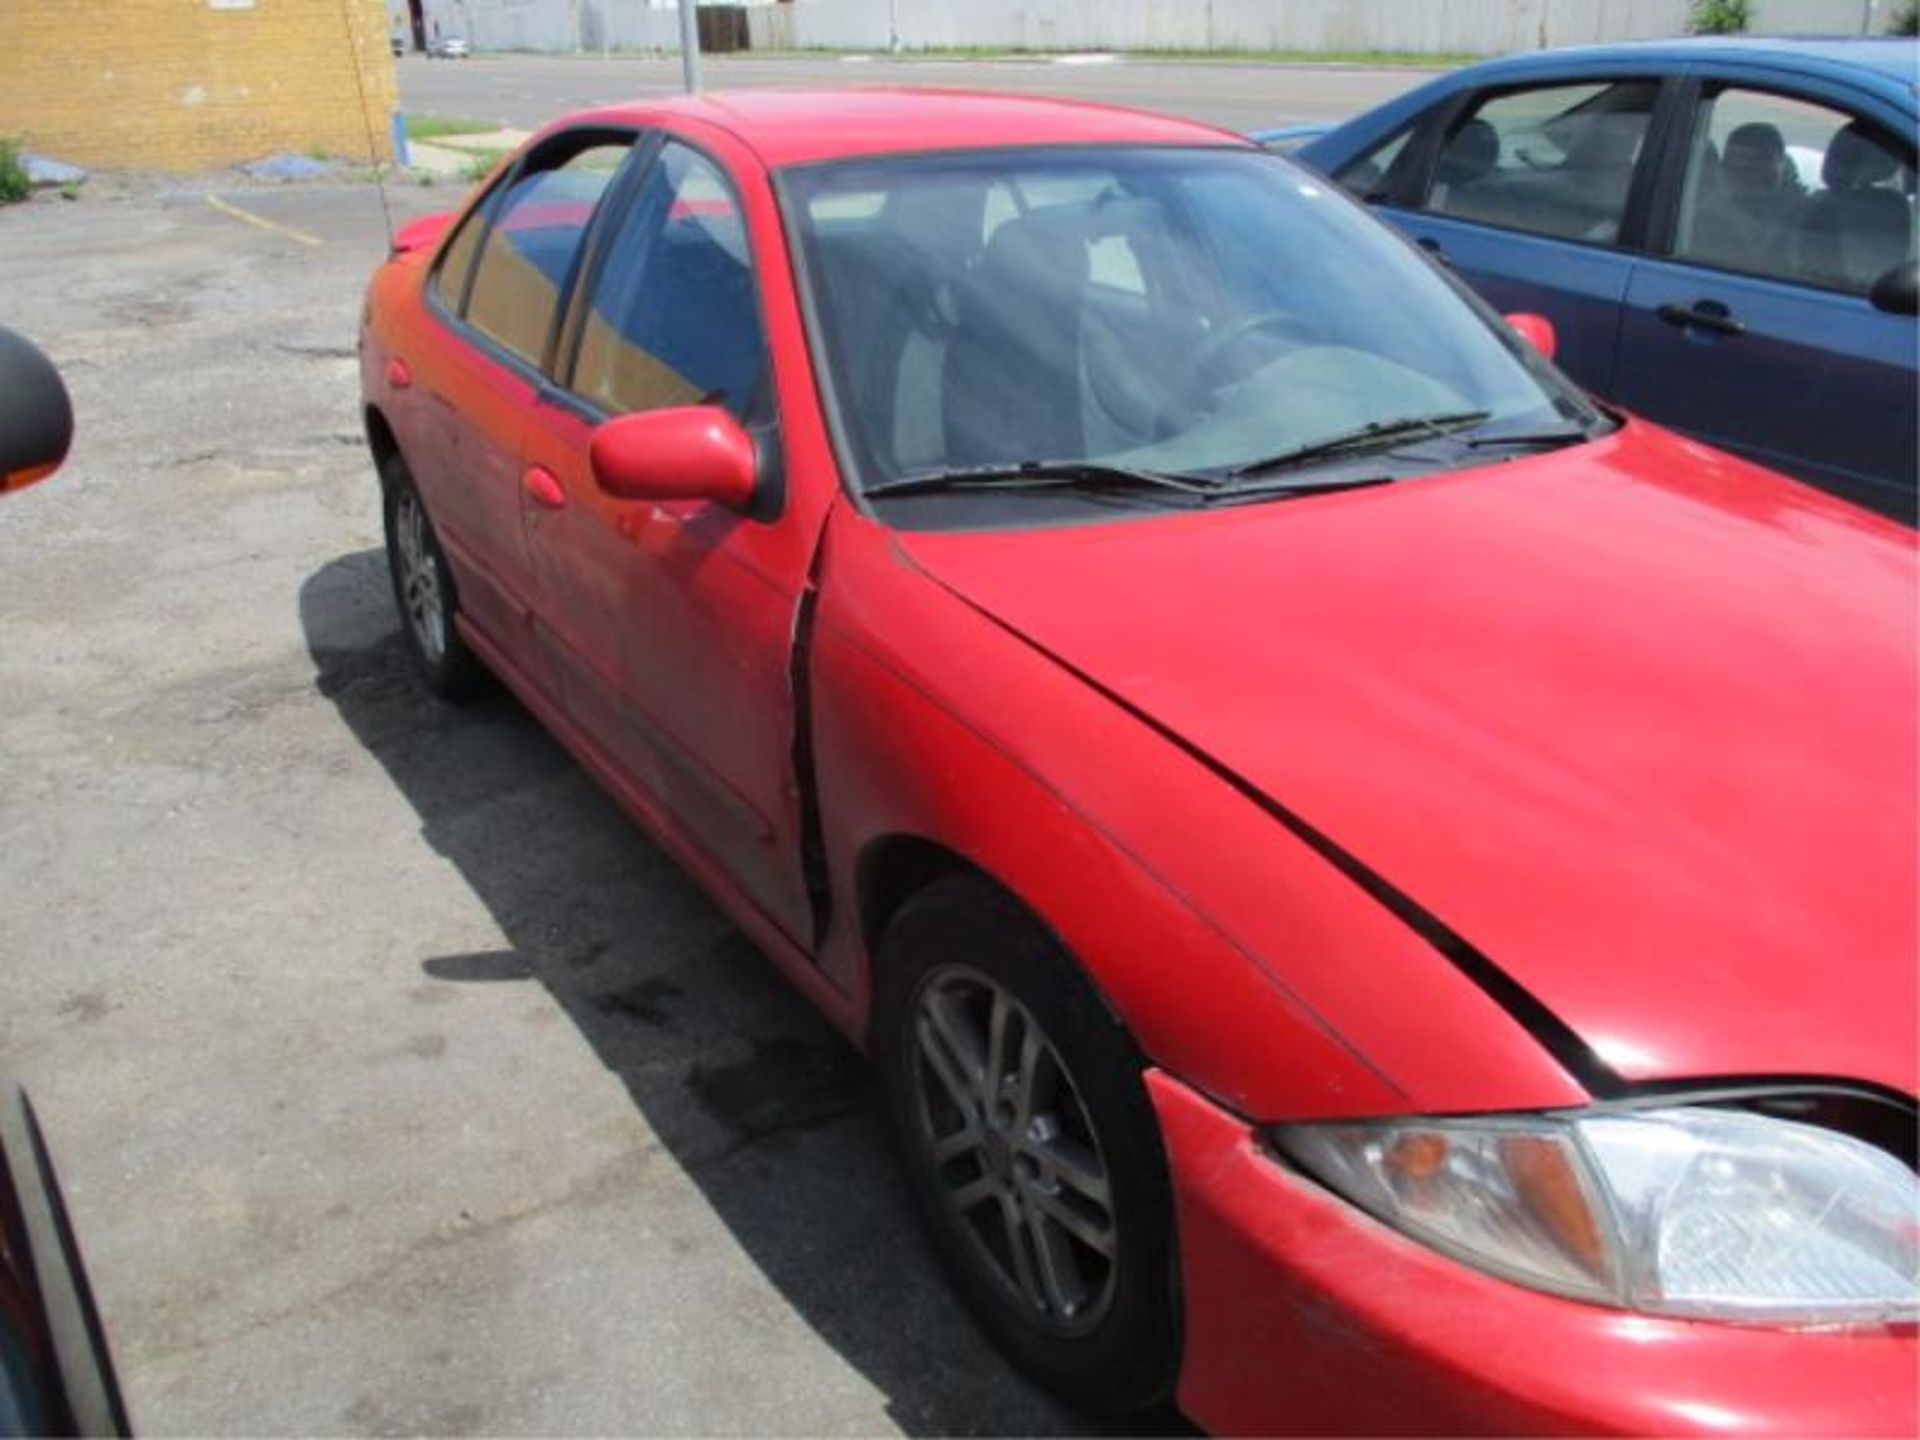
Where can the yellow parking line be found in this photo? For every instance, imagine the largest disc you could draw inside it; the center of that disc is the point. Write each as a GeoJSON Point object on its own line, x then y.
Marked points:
{"type": "Point", "coordinates": [265, 224]}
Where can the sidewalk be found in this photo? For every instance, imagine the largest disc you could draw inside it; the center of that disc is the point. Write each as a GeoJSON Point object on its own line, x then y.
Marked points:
{"type": "Point", "coordinates": [453, 157]}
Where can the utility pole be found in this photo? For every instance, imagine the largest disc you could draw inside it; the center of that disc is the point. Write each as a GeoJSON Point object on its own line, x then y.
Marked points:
{"type": "Point", "coordinates": [690, 46]}
{"type": "Point", "coordinates": [893, 27]}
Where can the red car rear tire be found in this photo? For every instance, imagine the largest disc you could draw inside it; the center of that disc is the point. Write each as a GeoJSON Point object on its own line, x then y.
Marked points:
{"type": "Point", "coordinates": [423, 591]}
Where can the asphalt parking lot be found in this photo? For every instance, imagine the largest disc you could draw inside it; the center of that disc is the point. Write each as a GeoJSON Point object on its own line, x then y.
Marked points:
{"type": "Point", "coordinates": [397, 1082]}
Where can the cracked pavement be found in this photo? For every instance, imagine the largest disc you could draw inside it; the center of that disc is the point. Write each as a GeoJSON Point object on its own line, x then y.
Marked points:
{"type": "Point", "coordinates": [398, 1084]}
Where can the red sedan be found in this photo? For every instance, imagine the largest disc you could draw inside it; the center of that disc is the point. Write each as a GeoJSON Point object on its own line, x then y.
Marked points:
{"type": "Point", "coordinates": [1382, 892]}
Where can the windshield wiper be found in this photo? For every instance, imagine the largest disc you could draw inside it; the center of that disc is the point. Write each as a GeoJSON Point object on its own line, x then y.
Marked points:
{"type": "Point", "coordinates": [1314, 485]}
{"type": "Point", "coordinates": [1375, 434]}
{"type": "Point", "coordinates": [1570, 433]}
{"type": "Point", "coordinates": [1044, 475]}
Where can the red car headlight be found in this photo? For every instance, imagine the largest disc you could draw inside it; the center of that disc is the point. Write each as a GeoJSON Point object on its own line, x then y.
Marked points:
{"type": "Point", "coordinates": [1682, 1211]}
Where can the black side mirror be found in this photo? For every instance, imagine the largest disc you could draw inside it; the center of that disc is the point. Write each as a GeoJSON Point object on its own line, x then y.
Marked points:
{"type": "Point", "coordinates": [36, 418]}
{"type": "Point", "coordinates": [1898, 291]}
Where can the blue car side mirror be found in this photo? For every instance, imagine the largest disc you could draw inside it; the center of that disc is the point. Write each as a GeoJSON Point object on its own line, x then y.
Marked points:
{"type": "Point", "coordinates": [1898, 291]}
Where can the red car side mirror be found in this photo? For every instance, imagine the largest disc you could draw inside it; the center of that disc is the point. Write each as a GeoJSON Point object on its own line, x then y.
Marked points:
{"type": "Point", "coordinates": [1537, 331]}
{"type": "Point", "coordinates": [688, 452]}
{"type": "Point", "coordinates": [423, 233]}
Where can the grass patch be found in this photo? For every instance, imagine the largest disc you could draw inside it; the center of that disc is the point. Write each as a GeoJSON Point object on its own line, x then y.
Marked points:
{"type": "Point", "coordinates": [14, 184]}
{"type": "Point", "coordinates": [432, 127]}
{"type": "Point", "coordinates": [1445, 59]}
{"type": "Point", "coordinates": [482, 163]}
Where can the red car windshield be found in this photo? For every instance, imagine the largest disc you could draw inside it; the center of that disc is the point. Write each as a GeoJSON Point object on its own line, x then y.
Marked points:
{"type": "Point", "coordinates": [1192, 311]}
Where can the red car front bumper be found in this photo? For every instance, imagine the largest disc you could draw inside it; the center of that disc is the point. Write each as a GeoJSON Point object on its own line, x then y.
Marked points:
{"type": "Point", "coordinates": [1305, 1315]}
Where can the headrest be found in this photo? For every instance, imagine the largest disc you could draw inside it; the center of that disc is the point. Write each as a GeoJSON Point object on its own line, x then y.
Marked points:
{"type": "Point", "coordinates": [941, 218]}
{"type": "Point", "coordinates": [1608, 140]}
{"type": "Point", "coordinates": [1472, 152]}
{"type": "Point", "coordinates": [1858, 158]}
{"type": "Point", "coordinates": [1755, 155]}
{"type": "Point", "coordinates": [1045, 247]}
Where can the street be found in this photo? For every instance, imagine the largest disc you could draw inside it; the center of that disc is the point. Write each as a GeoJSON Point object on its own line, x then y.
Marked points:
{"type": "Point", "coordinates": [528, 90]}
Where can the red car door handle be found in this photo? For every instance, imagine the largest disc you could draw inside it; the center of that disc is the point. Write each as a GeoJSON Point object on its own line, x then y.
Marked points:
{"type": "Point", "coordinates": [543, 489]}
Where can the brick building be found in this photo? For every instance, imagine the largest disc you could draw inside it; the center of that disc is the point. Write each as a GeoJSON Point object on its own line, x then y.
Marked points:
{"type": "Point", "coordinates": [185, 84]}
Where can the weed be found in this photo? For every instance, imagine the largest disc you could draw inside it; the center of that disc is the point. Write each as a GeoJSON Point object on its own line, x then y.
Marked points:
{"type": "Point", "coordinates": [1721, 17]}
{"type": "Point", "coordinates": [432, 127]}
{"type": "Point", "coordinates": [14, 184]}
{"type": "Point", "coordinates": [482, 163]}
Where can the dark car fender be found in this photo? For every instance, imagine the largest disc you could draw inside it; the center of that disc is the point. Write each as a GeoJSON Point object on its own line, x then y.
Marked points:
{"type": "Point", "coordinates": [66, 1384]}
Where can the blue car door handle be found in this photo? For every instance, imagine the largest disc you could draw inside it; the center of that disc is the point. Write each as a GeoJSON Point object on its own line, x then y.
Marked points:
{"type": "Point", "coordinates": [1705, 315]}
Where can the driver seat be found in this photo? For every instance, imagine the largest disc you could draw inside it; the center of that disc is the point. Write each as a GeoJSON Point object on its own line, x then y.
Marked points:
{"type": "Point", "coordinates": [1011, 388]}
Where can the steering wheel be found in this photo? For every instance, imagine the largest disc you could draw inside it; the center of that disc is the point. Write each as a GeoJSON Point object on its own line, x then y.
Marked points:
{"type": "Point", "coordinates": [1205, 355]}
{"type": "Point", "coordinates": [1203, 359]}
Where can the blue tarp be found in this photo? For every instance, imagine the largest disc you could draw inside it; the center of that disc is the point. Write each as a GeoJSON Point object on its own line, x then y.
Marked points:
{"type": "Point", "coordinates": [285, 167]}
{"type": "Point", "coordinates": [43, 171]}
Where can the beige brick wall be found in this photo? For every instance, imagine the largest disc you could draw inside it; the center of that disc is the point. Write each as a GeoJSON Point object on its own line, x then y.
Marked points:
{"type": "Point", "coordinates": [188, 84]}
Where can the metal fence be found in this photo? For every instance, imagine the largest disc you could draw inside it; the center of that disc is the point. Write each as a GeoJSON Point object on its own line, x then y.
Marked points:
{"type": "Point", "coordinates": [1480, 27]}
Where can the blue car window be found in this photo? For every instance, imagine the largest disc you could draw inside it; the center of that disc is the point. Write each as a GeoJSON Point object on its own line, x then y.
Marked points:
{"type": "Point", "coordinates": [672, 319]}
{"type": "Point", "coordinates": [1370, 174]}
{"type": "Point", "coordinates": [530, 248]}
{"type": "Point", "coordinates": [1795, 190]}
{"type": "Point", "coordinates": [1552, 160]}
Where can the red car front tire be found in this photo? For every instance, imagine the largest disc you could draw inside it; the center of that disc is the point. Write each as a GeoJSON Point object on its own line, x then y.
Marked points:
{"type": "Point", "coordinates": [1017, 1102]}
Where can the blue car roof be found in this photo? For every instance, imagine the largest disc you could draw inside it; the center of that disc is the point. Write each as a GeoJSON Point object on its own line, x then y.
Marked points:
{"type": "Point", "coordinates": [1893, 57]}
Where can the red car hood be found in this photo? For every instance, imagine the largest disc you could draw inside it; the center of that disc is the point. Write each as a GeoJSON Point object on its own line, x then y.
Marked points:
{"type": "Point", "coordinates": [1637, 721]}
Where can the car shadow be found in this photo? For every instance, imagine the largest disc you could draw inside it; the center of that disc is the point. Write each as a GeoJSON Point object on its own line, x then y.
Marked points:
{"type": "Point", "coordinates": [753, 1094]}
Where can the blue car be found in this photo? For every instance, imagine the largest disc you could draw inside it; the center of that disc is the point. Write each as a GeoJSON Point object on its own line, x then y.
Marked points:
{"type": "Point", "coordinates": [1722, 231]}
